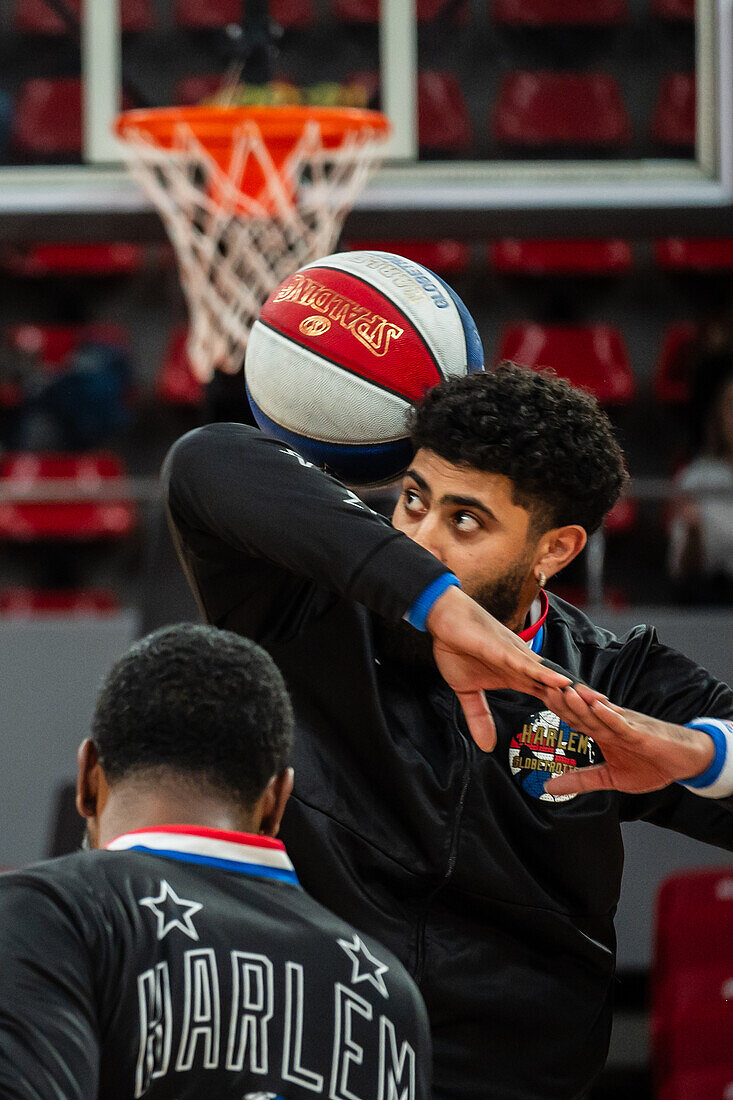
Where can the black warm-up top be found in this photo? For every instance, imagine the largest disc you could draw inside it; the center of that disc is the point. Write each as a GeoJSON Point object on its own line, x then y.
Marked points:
{"type": "Point", "coordinates": [498, 898]}
{"type": "Point", "coordinates": [188, 963]}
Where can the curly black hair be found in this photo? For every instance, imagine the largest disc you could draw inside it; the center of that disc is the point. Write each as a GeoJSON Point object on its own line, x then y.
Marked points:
{"type": "Point", "coordinates": [201, 703]}
{"type": "Point", "coordinates": [550, 439]}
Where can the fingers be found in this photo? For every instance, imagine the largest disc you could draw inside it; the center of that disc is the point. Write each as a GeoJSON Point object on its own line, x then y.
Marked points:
{"type": "Point", "coordinates": [529, 672]}
{"type": "Point", "coordinates": [556, 668]}
{"type": "Point", "coordinates": [569, 705]}
{"type": "Point", "coordinates": [581, 781]}
{"type": "Point", "coordinates": [478, 718]}
{"type": "Point", "coordinates": [613, 717]}
{"type": "Point", "coordinates": [590, 695]}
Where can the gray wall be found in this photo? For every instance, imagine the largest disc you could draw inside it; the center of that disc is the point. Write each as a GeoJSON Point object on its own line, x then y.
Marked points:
{"type": "Point", "coordinates": [49, 675]}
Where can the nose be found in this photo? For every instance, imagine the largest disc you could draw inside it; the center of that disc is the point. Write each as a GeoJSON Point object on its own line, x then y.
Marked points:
{"type": "Point", "coordinates": [428, 534]}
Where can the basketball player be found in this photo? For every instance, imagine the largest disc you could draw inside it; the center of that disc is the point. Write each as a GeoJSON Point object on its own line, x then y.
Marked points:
{"type": "Point", "coordinates": [181, 958]}
{"type": "Point", "coordinates": [493, 875]}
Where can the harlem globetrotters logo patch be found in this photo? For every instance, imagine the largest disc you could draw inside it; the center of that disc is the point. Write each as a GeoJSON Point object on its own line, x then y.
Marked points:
{"type": "Point", "coordinates": [546, 746]}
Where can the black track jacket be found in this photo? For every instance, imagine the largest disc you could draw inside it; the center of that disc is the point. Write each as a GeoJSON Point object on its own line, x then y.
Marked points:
{"type": "Point", "coordinates": [500, 902]}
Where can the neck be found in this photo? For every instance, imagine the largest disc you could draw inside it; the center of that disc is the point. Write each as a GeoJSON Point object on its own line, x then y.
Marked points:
{"type": "Point", "coordinates": [523, 619]}
{"type": "Point", "coordinates": [131, 806]}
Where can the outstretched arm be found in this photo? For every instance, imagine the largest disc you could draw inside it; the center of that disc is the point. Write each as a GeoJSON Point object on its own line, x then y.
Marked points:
{"type": "Point", "coordinates": [267, 540]}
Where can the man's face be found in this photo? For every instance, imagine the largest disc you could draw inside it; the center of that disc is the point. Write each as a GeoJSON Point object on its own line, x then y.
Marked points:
{"type": "Point", "coordinates": [467, 519]}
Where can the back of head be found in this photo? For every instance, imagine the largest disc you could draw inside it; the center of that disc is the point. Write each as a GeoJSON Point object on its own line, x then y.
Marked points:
{"type": "Point", "coordinates": [550, 439]}
{"type": "Point", "coordinates": [198, 703]}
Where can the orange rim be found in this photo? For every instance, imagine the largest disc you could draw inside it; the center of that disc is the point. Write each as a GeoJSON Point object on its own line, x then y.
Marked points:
{"type": "Point", "coordinates": [213, 126]}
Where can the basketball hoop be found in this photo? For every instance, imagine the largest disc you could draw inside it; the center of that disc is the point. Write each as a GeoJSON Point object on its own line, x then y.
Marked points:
{"type": "Point", "coordinates": [247, 195]}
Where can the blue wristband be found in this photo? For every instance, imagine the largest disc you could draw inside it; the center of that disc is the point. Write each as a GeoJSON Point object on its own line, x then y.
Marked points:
{"type": "Point", "coordinates": [417, 615]}
{"type": "Point", "coordinates": [720, 741]}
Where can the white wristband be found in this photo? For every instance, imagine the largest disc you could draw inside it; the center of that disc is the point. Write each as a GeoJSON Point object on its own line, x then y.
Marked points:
{"type": "Point", "coordinates": [717, 780]}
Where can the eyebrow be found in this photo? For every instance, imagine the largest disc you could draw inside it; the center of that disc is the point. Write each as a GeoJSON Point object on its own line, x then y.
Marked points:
{"type": "Point", "coordinates": [467, 502]}
{"type": "Point", "coordinates": [451, 498]}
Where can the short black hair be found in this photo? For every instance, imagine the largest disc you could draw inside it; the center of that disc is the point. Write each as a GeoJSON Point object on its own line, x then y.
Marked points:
{"type": "Point", "coordinates": [552, 440]}
{"type": "Point", "coordinates": [201, 703]}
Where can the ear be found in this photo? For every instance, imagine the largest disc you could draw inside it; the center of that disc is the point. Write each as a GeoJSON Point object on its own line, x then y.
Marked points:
{"type": "Point", "coordinates": [271, 804]}
{"type": "Point", "coordinates": [558, 547]}
{"type": "Point", "coordinates": [87, 779]}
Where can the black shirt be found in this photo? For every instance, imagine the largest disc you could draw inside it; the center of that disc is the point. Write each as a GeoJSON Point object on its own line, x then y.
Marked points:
{"type": "Point", "coordinates": [498, 897]}
{"type": "Point", "coordinates": [188, 962]}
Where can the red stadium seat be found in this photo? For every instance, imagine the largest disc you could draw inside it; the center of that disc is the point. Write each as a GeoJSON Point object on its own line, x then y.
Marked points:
{"type": "Point", "coordinates": [37, 17]}
{"type": "Point", "coordinates": [176, 384]}
{"type": "Point", "coordinates": [673, 120]}
{"type": "Point", "coordinates": [692, 1018]}
{"type": "Point", "coordinates": [444, 124]}
{"type": "Point", "coordinates": [671, 383]}
{"type": "Point", "coordinates": [444, 257]}
{"type": "Point", "coordinates": [678, 11]}
{"type": "Point", "coordinates": [560, 13]}
{"type": "Point", "coordinates": [713, 1083]}
{"type": "Point", "coordinates": [27, 603]}
{"type": "Point", "coordinates": [48, 118]}
{"type": "Point", "coordinates": [73, 259]}
{"type": "Point", "coordinates": [701, 254]}
{"type": "Point", "coordinates": [68, 520]}
{"type": "Point", "coordinates": [589, 257]}
{"type": "Point", "coordinates": [593, 357]}
{"type": "Point", "coordinates": [699, 900]}
{"type": "Point", "coordinates": [210, 14]}
{"type": "Point", "coordinates": [684, 992]}
{"type": "Point", "coordinates": [539, 109]}
{"type": "Point", "coordinates": [52, 344]}
{"type": "Point", "coordinates": [367, 11]}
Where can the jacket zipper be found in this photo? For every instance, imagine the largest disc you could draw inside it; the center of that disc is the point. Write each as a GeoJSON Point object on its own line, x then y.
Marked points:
{"type": "Point", "coordinates": [452, 851]}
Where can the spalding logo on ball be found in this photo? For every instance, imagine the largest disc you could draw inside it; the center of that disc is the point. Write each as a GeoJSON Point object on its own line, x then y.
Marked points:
{"type": "Point", "coordinates": [343, 347]}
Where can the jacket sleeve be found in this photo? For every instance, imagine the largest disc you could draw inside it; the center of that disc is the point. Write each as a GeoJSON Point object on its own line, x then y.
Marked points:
{"type": "Point", "coordinates": [268, 541]}
{"type": "Point", "coordinates": [670, 686]}
{"type": "Point", "coordinates": [49, 1042]}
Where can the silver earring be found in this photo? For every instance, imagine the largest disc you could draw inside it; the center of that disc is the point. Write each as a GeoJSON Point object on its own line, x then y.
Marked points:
{"type": "Point", "coordinates": [541, 579]}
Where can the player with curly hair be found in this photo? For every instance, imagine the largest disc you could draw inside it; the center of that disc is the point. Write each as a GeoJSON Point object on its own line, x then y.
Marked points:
{"type": "Point", "coordinates": [477, 835]}
{"type": "Point", "coordinates": [178, 956]}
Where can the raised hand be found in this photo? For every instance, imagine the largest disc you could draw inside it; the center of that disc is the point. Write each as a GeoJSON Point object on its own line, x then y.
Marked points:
{"type": "Point", "coordinates": [641, 753]}
{"type": "Point", "coordinates": [475, 653]}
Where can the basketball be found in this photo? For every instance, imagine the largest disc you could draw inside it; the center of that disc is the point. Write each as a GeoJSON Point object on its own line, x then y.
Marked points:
{"type": "Point", "coordinates": [342, 348]}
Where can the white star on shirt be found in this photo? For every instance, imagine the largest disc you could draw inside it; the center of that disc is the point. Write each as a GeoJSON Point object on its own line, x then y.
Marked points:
{"type": "Point", "coordinates": [364, 966]}
{"type": "Point", "coordinates": [167, 918]}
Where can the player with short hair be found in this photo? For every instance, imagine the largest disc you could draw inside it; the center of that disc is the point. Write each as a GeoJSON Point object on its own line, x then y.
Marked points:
{"type": "Point", "coordinates": [181, 958]}
{"type": "Point", "coordinates": [493, 875]}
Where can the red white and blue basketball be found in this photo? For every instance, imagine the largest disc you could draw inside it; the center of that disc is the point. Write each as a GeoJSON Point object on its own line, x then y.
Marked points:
{"type": "Point", "coordinates": [343, 347]}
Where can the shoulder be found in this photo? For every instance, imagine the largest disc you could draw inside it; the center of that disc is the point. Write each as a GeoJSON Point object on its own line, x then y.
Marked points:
{"type": "Point", "coordinates": [584, 632]}
{"type": "Point", "coordinates": [639, 671]}
{"type": "Point", "coordinates": [78, 881]}
{"type": "Point", "coordinates": [57, 905]}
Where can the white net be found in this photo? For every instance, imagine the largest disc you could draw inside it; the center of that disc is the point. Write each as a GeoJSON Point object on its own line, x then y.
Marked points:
{"type": "Point", "coordinates": [233, 249]}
